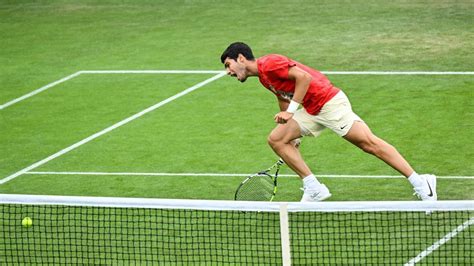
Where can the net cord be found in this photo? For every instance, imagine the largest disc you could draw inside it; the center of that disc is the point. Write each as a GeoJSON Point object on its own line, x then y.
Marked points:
{"type": "Point", "coordinates": [331, 206]}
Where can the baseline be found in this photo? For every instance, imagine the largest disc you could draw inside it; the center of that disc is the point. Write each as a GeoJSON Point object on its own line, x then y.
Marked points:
{"type": "Point", "coordinates": [398, 72]}
{"type": "Point", "coordinates": [52, 84]}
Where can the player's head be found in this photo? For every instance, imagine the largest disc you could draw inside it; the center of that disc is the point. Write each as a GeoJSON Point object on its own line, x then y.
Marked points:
{"type": "Point", "coordinates": [234, 59]}
{"type": "Point", "coordinates": [235, 49]}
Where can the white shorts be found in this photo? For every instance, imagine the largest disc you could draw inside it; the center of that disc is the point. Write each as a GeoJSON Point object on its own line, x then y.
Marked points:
{"type": "Point", "coordinates": [336, 115]}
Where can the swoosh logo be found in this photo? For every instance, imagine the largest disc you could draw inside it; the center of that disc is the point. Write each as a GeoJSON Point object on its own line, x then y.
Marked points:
{"type": "Point", "coordinates": [431, 191]}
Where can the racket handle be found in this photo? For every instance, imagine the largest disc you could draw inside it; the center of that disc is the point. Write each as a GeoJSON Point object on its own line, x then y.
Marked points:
{"type": "Point", "coordinates": [280, 161]}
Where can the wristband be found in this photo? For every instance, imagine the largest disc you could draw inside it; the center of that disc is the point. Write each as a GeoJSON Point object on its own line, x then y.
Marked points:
{"type": "Point", "coordinates": [292, 107]}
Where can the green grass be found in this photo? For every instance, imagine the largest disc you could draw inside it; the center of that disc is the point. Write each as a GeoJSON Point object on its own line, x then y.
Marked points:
{"type": "Point", "coordinates": [222, 127]}
{"type": "Point", "coordinates": [191, 135]}
{"type": "Point", "coordinates": [46, 40]}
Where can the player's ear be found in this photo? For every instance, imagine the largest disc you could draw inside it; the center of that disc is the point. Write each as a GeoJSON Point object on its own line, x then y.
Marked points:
{"type": "Point", "coordinates": [241, 58]}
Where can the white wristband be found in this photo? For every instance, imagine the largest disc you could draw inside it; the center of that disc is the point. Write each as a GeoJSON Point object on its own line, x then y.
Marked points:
{"type": "Point", "coordinates": [292, 107]}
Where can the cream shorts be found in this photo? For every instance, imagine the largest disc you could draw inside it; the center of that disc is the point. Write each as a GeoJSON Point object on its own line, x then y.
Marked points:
{"type": "Point", "coordinates": [336, 115]}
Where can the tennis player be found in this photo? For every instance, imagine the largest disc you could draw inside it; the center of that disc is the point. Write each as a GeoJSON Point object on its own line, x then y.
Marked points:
{"type": "Point", "coordinates": [324, 106]}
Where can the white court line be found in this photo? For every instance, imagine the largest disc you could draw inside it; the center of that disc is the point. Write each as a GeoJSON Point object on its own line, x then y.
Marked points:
{"type": "Point", "coordinates": [440, 242]}
{"type": "Point", "coordinates": [3, 106]}
{"type": "Point", "coordinates": [52, 84]}
{"type": "Point", "coordinates": [151, 71]}
{"type": "Point", "coordinates": [100, 133]}
{"type": "Point", "coordinates": [324, 72]}
{"type": "Point", "coordinates": [398, 72]}
{"type": "Point", "coordinates": [219, 174]}
{"type": "Point", "coordinates": [28, 95]}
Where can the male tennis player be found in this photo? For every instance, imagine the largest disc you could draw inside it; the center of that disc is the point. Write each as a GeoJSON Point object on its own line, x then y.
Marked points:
{"type": "Point", "coordinates": [324, 106]}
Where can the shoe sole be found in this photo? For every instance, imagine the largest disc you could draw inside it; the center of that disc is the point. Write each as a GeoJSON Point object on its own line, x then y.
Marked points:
{"type": "Point", "coordinates": [319, 199]}
{"type": "Point", "coordinates": [325, 197]}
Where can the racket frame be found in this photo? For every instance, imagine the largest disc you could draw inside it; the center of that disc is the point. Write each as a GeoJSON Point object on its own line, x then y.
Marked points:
{"type": "Point", "coordinates": [274, 178]}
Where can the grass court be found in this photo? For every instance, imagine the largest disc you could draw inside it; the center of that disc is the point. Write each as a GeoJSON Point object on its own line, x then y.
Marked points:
{"type": "Point", "coordinates": [198, 145]}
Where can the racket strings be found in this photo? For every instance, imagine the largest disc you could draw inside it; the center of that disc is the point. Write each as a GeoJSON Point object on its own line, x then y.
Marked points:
{"type": "Point", "coordinates": [257, 188]}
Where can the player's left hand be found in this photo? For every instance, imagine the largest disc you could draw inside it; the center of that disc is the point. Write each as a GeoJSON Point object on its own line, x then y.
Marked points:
{"type": "Point", "coordinates": [283, 117]}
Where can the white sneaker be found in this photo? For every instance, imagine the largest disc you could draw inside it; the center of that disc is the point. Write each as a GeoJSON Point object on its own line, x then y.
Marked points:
{"type": "Point", "coordinates": [427, 192]}
{"type": "Point", "coordinates": [319, 193]}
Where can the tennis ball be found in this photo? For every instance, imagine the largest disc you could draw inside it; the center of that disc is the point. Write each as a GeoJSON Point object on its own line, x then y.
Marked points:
{"type": "Point", "coordinates": [27, 222]}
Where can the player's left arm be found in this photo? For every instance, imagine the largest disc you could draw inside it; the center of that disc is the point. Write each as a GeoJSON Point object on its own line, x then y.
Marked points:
{"type": "Point", "coordinates": [282, 103]}
{"type": "Point", "coordinates": [302, 80]}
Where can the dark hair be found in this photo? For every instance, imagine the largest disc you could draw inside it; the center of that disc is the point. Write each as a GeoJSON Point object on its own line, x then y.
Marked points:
{"type": "Point", "coordinates": [235, 49]}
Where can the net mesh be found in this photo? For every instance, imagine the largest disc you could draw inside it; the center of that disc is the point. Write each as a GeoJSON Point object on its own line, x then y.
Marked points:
{"type": "Point", "coordinates": [61, 234]}
{"type": "Point", "coordinates": [379, 238]}
{"type": "Point", "coordinates": [122, 236]}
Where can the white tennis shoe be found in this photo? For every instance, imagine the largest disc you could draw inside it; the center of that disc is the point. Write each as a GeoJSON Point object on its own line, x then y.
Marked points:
{"type": "Point", "coordinates": [427, 192]}
{"type": "Point", "coordinates": [319, 193]}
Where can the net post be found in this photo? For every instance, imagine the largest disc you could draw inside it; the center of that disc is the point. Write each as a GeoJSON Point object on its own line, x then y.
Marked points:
{"type": "Point", "coordinates": [285, 234]}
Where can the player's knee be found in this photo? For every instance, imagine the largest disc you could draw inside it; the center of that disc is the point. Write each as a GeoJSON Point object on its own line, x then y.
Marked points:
{"type": "Point", "coordinates": [371, 146]}
{"type": "Point", "coordinates": [274, 141]}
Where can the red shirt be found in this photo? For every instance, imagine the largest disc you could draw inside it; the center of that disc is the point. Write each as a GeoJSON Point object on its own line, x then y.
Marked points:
{"type": "Point", "coordinates": [273, 74]}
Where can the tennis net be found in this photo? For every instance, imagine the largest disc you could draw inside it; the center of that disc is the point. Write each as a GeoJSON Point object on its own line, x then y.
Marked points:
{"type": "Point", "coordinates": [131, 231]}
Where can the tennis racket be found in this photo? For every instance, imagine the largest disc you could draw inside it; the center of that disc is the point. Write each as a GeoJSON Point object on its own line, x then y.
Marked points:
{"type": "Point", "coordinates": [261, 186]}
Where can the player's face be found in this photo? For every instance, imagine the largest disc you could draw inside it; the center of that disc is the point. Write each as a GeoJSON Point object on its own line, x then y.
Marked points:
{"type": "Point", "coordinates": [236, 69]}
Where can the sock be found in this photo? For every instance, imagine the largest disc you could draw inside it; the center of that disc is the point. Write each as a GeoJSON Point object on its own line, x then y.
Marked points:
{"type": "Point", "coordinates": [415, 180]}
{"type": "Point", "coordinates": [310, 181]}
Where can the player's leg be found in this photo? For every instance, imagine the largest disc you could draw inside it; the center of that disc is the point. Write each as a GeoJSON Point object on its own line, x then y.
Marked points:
{"type": "Point", "coordinates": [281, 139]}
{"type": "Point", "coordinates": [361, 136]}
{"type": "Point", "coordinates": [337, 115]}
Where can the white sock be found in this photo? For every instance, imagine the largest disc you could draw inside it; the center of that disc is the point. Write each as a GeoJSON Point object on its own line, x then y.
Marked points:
{"type": "Point", "coordinates": [415, 180]}
{"type": "Point", "coordinates": [310, 181]}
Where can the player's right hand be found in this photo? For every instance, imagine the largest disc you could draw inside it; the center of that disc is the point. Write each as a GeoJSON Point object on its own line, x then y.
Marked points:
{"type": "Point", "coordinates": [283, 117]}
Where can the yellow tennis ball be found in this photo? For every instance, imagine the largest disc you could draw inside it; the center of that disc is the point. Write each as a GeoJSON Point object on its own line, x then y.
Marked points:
{"type": "Point", "coordinates": [27, 222]}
